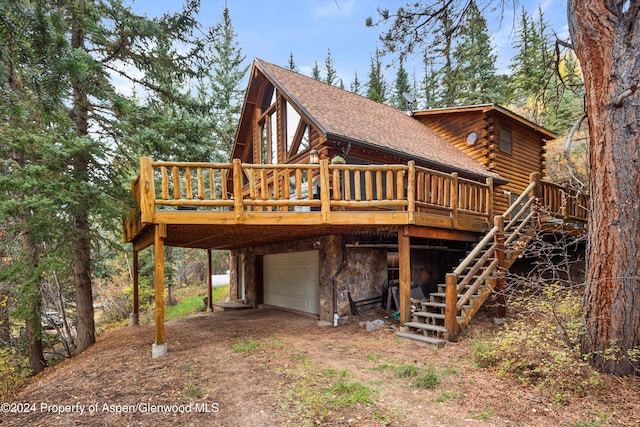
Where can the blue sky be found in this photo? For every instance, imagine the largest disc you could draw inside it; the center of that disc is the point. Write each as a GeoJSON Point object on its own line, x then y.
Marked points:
{"type": "Point", "coordinates": [272, 29]}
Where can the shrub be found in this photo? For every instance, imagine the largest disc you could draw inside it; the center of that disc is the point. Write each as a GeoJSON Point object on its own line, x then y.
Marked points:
{"type": "Point", "coordinates": [541, 346]}
{"type": "Point", "coordinates": [14, 371]}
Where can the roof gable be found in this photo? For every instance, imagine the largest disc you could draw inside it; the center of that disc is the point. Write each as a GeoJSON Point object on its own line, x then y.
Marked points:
{"type": "Point", "coordinates": [348, 117]}
{"type": "Point", "coordinates": [542, 132]}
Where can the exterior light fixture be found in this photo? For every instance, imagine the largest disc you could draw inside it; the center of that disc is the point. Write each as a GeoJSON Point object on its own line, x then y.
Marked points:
{"type": "Point", "coordinates": [314, 157]}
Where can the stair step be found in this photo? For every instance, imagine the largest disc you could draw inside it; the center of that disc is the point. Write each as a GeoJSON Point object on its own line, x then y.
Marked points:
{"type": "Point", "coordinates": [431, 341]}
{"type": "Point", "coordinates": [431, 315]}
{"type": "Point", "coordinates": [427, 314]}
{"type": "Point", "coordinates": [442, 295]}
{"type": "Point", "coordinates": [426, 327]}
{"type": "Point", "coordinates": [440, 305]}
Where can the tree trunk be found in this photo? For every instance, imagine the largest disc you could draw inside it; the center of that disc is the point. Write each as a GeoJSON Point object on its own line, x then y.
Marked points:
{"type": "Point", "coordinates": [82, 231]}
{"type": "Point", "coordinates": [33, 325]}
{"type": "Point", "coordinates": [31, 293]}
{"type": "Point", "coordinates": [82, 279]}
{"type": "Point", "coordinates": [606, 38]}
{"type": "Point", "coordinates": [31, 279]}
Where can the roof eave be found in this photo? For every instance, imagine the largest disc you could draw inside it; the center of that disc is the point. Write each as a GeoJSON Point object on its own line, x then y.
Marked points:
{"type": "Point", "coordinates": [438, 165]}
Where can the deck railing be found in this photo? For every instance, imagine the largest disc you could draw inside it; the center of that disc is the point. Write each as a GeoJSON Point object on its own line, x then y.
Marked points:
{"type": "Point", "coordinates": [241, 188]}
{"type": "Point", "coordinates": [564, 202]}
{"type": "Point", "coordinates": [323, 187]}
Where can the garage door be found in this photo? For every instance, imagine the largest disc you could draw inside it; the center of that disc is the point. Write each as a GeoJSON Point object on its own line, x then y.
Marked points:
{"type": "Point", "coordinates": [291, 281]}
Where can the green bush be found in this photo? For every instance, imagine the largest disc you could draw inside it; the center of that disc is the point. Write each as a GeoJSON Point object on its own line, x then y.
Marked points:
{"type": "Point", "coordinates": [541, 346]}
{"type": "Point", "coordinates": [14, 371]}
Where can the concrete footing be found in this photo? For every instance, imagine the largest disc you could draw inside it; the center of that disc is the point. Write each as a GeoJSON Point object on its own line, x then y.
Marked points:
{"type": "Point", "coordinates": [158, 350]}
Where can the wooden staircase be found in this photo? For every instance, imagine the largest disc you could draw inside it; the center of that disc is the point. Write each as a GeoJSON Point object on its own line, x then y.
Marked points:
{"type": "Point", "coordinates": [479, 275]}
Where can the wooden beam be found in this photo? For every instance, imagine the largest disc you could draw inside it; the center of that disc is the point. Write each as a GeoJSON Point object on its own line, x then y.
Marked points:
{"type": "Point", "coordinates": [237, 190]}
{"type": "Point", "coordinates": [324, 190]}
{"type": "Point", "coordinates": [160, 234]}
{"type": "Point", "coordinates": [439, 233]}
{"type": "Point", "coordinates": [147, 190]}
{"type": "Point", "coordinates": [209, 282]}
{"type": "Point", "coordinates": [451, 310]}
{"type": "Point", "coordinates": [404, 254]}
{"type": "Point", "coordinates": [136, 295]}
{"type": "Point", "coordinates": [144, 239]}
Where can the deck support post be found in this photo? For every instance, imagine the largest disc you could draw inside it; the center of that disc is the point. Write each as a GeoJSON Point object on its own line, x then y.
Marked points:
{"type": "Point", "coordinates": [159, 348]}
{"type": "Point", "coordinates": [501, 281]}
{"type": "Point", "coordinates": [134, 317]}
{"type": "Point", "coordinates": [209, 282]}
{"type": "Point", "coordinates": [404, 254]}
{"type": "Point", "coordinates": [451, 309]}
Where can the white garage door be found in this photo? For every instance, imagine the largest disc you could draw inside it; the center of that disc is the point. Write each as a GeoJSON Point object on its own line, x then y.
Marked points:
{"type": "Point", "coordinates": [292, 280]}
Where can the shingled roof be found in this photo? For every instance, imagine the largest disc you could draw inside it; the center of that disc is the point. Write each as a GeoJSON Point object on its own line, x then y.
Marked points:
{"type": "Point", "coordinates": [348, 117]}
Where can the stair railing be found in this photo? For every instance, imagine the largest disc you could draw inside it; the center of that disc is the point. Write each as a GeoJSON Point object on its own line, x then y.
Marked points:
{"type": "Point", "coordinates": [495, 237]}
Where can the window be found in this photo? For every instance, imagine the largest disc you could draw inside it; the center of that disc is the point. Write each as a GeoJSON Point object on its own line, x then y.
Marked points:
{"type": "Point", "coordinates": [505, 140]}
{"type": "Point", "coordinates": [268, 149]}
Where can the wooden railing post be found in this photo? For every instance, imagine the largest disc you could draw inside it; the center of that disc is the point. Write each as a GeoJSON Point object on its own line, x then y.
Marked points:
{"type": "Point", "coordinates": [325, 202]}
{"type": "Point", "coordinates": [489, 201]}
{"type": "Point", "coordinates": [147, 190]}
{"type": "Point", "coordinates": [411, 191]}
{"type": "Point", "coordinates": [499, 289]}
{"type": "Point", "coordinates": [237, 190]}
{"type": "Point", "coordinates": [536, 177]}
{"type": "Point", "coordinates": [454, 199]}
{"type": "Point", "coordinates": [451, 301]}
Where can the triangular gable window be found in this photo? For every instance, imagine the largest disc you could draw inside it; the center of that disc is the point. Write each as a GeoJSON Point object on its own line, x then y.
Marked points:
{"type": "Point", "coordinates": [268, 127]}
{"type": "Point", "coordinates": [297, 138]}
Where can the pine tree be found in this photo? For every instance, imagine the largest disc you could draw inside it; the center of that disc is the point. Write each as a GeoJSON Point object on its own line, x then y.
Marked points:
{"type": "Point", "coordinates": [475, 61]}
{"type": "Point", "coordinates": [532, 68]}
{"type": "Point", "coordinates": [291, 65]}
{"type": "Point", "coordinates": [356, 85]}
{"type": "Point", "coordinates": [331, 76]}
{"type": "Point", "coordinates": [315, 71]}
{"type": "Point", "coordinates": [376, 85]}
{"type": "Point", "coordinates": [401, 86]}
{"type": "Point", "coordinates": [226, 83]}
{"type": "Point", "coordinates": [85, 41]}
{"type": "Point", "coordinates": [430, 83]}
{"type": "Point", "coordinates": [34, 181]}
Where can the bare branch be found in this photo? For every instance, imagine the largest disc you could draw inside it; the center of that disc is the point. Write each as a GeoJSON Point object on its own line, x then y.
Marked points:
{"type": "Point", "coordinates": [567, 149]}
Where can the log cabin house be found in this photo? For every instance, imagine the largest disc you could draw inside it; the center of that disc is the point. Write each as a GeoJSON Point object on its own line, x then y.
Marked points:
{"type": "Point", "coordinates": [332, 202]}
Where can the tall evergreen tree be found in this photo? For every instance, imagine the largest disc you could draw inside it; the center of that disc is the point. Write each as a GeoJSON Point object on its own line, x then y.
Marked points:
{"type": "Point", "coordinates": [331, 76]}
{"type": "Point", "coordinates": [430, 83]}
{"type": "Point", "coordinates": [532, 67]}
{"type": "Point", "coordinates": [33, 182]}
{"type": "Point", "coordinates": [90, 40]}
{"type": "Point", "coordinates": [377, 87]}
{"type": "Point", "coordinates": [356, 84]}
{"type": "Point", "coordinates": [401, 86]}
{"type": "Point", "coordinates": [315, 71]}
{"type": "Point", "coordinates": [291, 64]}
{"type": "Point", "coordinates": [228, 74]}
{"type": "Point", "coordinates": [475, 69]}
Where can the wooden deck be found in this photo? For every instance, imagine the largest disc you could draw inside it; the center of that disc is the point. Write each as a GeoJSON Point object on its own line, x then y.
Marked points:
{"type": "Point", "coordinates": [233, 205]}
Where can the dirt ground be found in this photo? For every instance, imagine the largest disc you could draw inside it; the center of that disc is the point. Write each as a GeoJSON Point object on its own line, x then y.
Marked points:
{"type": "Point", "coordinates": [272, 368]}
